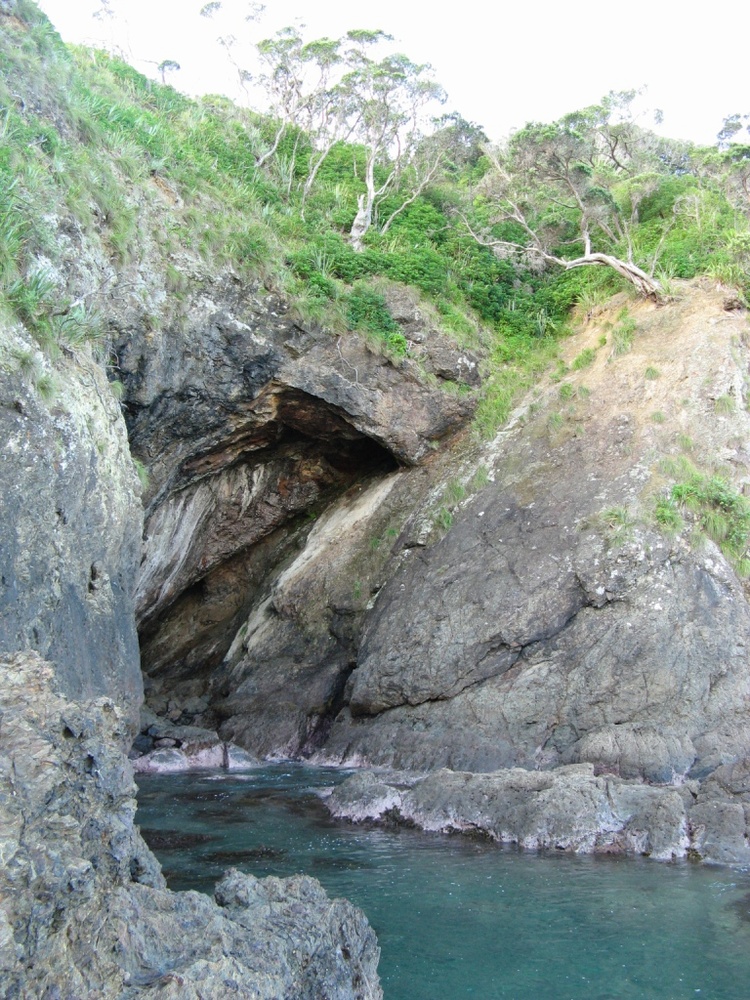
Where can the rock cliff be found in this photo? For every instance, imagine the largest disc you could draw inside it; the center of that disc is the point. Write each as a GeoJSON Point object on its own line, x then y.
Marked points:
{"type": "Point", "coordinates": [559, 621]}
{"type": "Point", "coordinates": [251, 425]}
{"type": "Point", "coordinates": [71, 517]}
{"type": "Point", "coordinates": [85, 911]}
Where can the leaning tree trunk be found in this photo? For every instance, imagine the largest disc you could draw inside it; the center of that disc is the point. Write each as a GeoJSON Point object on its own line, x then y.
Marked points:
{"type": "Point", "coordinates": [647, 286]}
{"type": "Point", "coordinates": [362, 221]}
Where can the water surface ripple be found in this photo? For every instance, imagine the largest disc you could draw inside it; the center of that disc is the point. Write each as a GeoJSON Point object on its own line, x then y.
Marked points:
{"type": "Point", "coordinates": [462, 918]}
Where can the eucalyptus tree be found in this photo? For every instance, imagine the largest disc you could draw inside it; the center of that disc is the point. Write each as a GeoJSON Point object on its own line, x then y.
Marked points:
{"type": "Point", "coordinates": [567, 193]}
{"type": "Point", "coordinates": [389, 99]}
{"type": "Point", "coordinates": [728, 163]}
{"type": "Point", "coordinates": [167, 66]}
{"type": "Point", "coordinates": [296, 81]}
{"type": "Point", "coordinates": [251, 11]}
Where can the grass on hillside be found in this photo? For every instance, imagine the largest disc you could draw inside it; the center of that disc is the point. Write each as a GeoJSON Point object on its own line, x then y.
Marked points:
{"type": "Point", "coordinates": [87, 142]}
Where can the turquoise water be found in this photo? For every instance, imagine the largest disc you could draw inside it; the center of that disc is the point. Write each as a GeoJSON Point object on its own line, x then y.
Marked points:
{"type": "Point", "coordinates": [462, 918]}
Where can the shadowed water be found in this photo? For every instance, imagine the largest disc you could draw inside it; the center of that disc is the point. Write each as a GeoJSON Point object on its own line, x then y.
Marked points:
{"type": "Point", "coordinates": [461, 918]}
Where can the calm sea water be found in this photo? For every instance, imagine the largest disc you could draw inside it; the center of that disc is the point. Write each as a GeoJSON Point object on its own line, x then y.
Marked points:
{"type": "Point", "coordinates": [460, 918]}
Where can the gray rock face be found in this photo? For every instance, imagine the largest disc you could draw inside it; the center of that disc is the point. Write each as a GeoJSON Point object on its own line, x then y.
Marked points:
{"type": "Point", "coordinates": [83, 908]}
{"type": "Point", "coordinates": [71, 521]}
{"type": "Point", "coordinates": [554, 624]}
{"type": "Point", "coordinates": [569, 808]}
{"type": "Point", "coordinates": [525, 642]}
{"type": "Point", "coordinates": [162, 747]}
{"type": "Point", "coordinates": [249, 424]}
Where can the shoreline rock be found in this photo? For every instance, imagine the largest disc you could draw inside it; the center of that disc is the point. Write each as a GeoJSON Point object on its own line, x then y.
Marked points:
{"type": "Point", "coordinates": [569, 808]}
{"type": "Point", "coordinates": [165, 748]}
{"type": "Point", "coordinates": [84, 910]}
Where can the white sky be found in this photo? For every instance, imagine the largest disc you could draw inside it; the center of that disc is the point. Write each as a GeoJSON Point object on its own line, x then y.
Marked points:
{"type": "Point", "coordinates": [502, 64]}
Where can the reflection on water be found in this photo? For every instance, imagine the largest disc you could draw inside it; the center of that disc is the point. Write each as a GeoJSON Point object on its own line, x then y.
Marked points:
{"type": "Point", "coordinates": [461, 918]}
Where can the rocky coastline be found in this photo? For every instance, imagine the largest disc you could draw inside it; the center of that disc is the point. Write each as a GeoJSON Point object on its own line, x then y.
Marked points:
{"type": "Point", "coordinates": [526, 638]}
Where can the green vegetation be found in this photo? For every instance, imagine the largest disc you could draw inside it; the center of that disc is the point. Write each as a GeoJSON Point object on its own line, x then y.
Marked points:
{"type": "Point", "coordinates": [480, 479]}
{"type": "Point", "coordinates": [584, 359]}
{"type": "Point", "coordinates": [724, 404]}
{"type": "Point", "coordinates": [622, 334]}
{"type": "Point", "coordinates": [667, 515]}
{"type": "Point", "coordinates": [620, 522]}
{"type": "Point", "coordinates": [455, 492]}
{"type": "Point", "coordinates": [141, 472]}
{"type": "Point", "coordinates": [302, 202]}
{"type": "Point", "coordinates": [444, 518]}
{"type": "Point", "coordinates": [722, 513]}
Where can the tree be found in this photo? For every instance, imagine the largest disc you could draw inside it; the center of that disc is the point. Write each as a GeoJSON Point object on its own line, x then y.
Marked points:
{"type": "Point", "coordinates": [167, 66]}
{"type": "Point", "coordinates": [228, 41]}
{"type": "Point", "coordinates": [303, 93]}
{"type": "Point", "coordinates": [575, 183]}
{"type": "Point", "coordinates": [728, 164]}
{"type": "Point", "coordinates": [388, 101]}
{"type": "Point", "coordinates": [334, 91]}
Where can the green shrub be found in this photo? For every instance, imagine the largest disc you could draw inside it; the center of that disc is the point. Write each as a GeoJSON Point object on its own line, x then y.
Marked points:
{"type": "Point", "coordinates": [367, 311]}
{"type": "Point", "coordinates": [667, 515]}
{"type": "Point", "coordinates": [584, 359]}
{"type": "Point", "coordinates": [622, 334]}
{"type": "Point", "coordinates": [722, 512]}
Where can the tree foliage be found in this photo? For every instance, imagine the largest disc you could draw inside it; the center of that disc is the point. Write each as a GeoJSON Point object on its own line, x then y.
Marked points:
{"type": "Point", "coordinates": [568, 193]}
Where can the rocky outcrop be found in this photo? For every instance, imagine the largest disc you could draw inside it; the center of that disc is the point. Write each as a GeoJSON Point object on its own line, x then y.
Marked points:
{"type": "Point", "coordinates": [556, 623]}
{"type": "Point", "coordinates": [524, 640]}
{"type": "Point", "coordinates": [84, 910]}
{"type": "Point", "coordinates": [83, 906]}
{"type": "Point", "coordinates": [71, 521]}
{"type": "Point", "coordinates": [161, 747]}
{"type": "Point", "coordinates": [251, 425]}
{"type": "Point", "coordinates": [569, 808]}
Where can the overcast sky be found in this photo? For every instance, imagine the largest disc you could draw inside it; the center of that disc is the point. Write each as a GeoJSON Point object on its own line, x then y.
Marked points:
{"type": "Point", "coordinates": [502, 64]}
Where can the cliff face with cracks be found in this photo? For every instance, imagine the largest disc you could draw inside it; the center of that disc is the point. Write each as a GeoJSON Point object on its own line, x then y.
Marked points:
{"type": "Point", "coordinates": [84, 909]}
{"type": "Point", "coordinates": [559, 627]}
{"type": "Point", "coordinates": [558, 624]}
{"type": "Point", "coordinates": [251, 426]}
{"type": "Point", "coordinates": [568, 672]}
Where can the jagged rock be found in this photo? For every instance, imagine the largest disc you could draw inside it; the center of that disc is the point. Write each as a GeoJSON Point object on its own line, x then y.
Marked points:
{"type": "Point", "coordinates": [71, 521]}
{"type": "Point", "coordinates": [720, 817]}
{"type": "Point", "coordinates": [247, 422]}
{"type": "Point", "coordinates": [659, 754]}
{"type": "Point", "coordinates": [568, 808]}
{"type": "Point", "coordinates": [83, 908]}
{"type": "Point", "coordinates": [530, 665]}
{"type": "Point", "coordinates": [554, 623]}
{"type": "Point", "coordinates": [163, 748]}
{"type": "Point", "coordinates": [165, 760]}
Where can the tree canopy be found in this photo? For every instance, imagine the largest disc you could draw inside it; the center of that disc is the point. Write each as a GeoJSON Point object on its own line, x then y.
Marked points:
{"type": "Point", "coordinates": [568, 193]}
